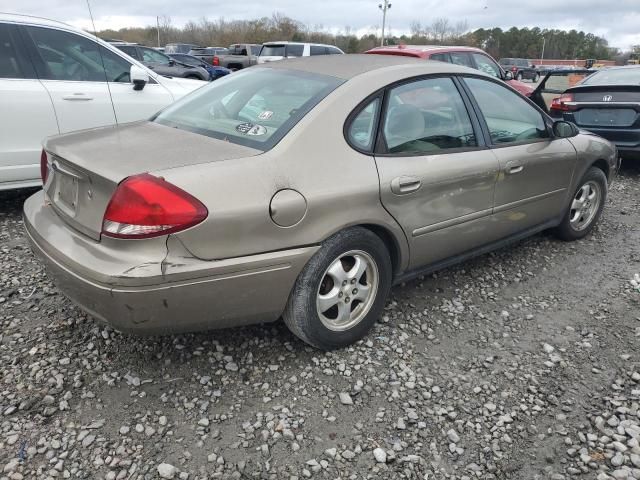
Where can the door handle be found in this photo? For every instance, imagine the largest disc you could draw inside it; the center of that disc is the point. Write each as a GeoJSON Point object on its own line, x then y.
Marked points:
{"type": "Point", "coordinates": [404, 185]}
{"type": "Point", "coordinates": [77, 97]}
{"type": "Point", "coordinates": [513, 167]}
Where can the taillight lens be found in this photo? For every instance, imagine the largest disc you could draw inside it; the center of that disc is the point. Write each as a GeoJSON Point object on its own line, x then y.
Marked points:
{"type": "Point", "coordinates": [514, 69]}
{"type": "Point", "coordinates": [44, 167]}
{"type": "Point", "coordinates": [560, 103]}
{"type": "Point", "coordinates": [145, 206]}
{"type": "Point", "coordinates": [215, 61]}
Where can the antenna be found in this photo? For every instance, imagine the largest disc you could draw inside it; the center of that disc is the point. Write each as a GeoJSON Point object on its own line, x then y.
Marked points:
{"type": "Point", "coordinates": [104, 69]}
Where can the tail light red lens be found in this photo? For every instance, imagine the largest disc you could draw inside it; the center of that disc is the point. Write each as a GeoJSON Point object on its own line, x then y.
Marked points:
{"type": "Point", "coordinates": [145, 206]}
{"type": "Point", "coordinates": [560, 103]}
{"type": "Point", "coordinates": [44, 167]}
{"type": "Point", "coordinates": [514, 69]}
{"type": "Point", "coordinates": [215, 61]}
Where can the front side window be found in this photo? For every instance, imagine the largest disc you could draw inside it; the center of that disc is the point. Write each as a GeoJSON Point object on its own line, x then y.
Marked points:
{"type": "Point", "coordinates": [129, 50]}
{"type": "Point", "coordinates": [153, 56]}
{"type": "Point", "coordinates": [440, 57]}
{"type": "Point", "coordinates": [117, 68]}
{"type": "Point", "coordinates": [255, 49]}
{"type": "Point", "coordinates": [9, 67]}
{"type": "Point", "coordinates": [295, 50]}
{"type": "Point", "coordinates": [363, 126]}
{"type": "Point", "coordinates": [427, 117]}
{"type": "Point", "coordinates": [66, 56]}
{"type": "Point", "coordinates": [334, 51]}
{"type": "Point", "coordinates": [318, 50]}
{"type": "Point", "coordinates": [461, 58]}
{"type": "Point", "coordinates": [486, 65]}
{"type": "Point", "coordinates": [509, 117]}
{"type": "Point", "coordinates": [255, 108]}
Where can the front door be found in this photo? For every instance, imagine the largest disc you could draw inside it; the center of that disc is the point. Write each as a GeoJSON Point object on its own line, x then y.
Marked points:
{"type": "Point", "coordinates": [70, 68]}
{"type": "Point", "coordinates": [436, 177]}
{"type": "Point", "coordinates": [535, 167]}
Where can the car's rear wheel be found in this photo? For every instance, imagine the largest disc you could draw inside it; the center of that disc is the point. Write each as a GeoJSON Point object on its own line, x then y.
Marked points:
{"type": "Point", "coordinates": [585, 207]}
{"type": "Point", "coordinates": [341, 292]}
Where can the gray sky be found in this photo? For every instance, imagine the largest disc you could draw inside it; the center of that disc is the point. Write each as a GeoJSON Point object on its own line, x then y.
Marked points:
{"type": "Point", "coordinates": [618, 20]}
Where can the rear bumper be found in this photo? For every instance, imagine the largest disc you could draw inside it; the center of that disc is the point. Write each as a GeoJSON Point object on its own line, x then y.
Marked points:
{"type": "Point", "coordinates": [150, 289]}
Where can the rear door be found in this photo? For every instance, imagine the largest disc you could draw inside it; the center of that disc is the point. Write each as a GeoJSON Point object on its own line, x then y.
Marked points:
{"type": "Point", "coordinates": [535, 168]}
{"type": "Point", "coordinates": [27, 113]}
{"type": "Point", "coordinates": [436, 177]}
{"type": "Point", "coordinates": [69, 68]}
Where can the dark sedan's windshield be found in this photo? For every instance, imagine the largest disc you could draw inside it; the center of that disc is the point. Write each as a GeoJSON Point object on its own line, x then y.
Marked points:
{"type": "Point", "coordinates": [615, 76]}
{"type": "Point", "coordinates": [254, 107]}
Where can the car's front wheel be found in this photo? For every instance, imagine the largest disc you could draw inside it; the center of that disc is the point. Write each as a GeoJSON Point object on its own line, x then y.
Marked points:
{"type": "Point", "coordinates": [341, 292]}
{"type": "Point", "coordinates": [585, 207]}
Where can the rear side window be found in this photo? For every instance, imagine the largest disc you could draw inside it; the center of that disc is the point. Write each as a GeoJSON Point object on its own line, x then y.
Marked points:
{"type": "Point", "coordinates": [509, 117]}
{"type": "Point", "coordinates": [66, 56]}
{"type": "Point", "coordinates": [426, 117]}
{"type": "Point", "coordinates": [295, 50]}
{"type": "Point", "coordinates": [9, 67]}
{"type": "Point", "coordinates": [363, 126]}
{"type": "Point", "coordinates": [318, 50]}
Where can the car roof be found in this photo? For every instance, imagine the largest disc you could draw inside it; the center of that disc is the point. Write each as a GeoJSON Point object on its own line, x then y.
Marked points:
{"type": "Point", "coordinates": [349, 66]}
{"type": "Point", "coordinates": [299, 43]}
{"type": "Point", "coordinates": [423, 49]}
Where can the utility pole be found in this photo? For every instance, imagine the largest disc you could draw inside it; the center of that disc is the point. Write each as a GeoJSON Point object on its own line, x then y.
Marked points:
{"type": "Point", "coordinates": [544, 41]}
{"type": "Point", "coordinates": [384, 7]}
{"type": "Point", "coordinates": [158, 28]}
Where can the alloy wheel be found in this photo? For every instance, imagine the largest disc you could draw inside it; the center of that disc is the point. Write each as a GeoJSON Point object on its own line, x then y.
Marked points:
{"type": "Point", "coordinates": [347, 290]}
{"type": "Point", "coordinates": [585, 205]}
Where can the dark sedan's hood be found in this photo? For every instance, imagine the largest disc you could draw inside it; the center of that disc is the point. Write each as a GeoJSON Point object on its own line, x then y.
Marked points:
{"type": "Point", "coordinates": [117, 152]}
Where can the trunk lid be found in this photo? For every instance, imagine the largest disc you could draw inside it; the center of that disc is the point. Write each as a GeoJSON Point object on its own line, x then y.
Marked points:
{"type": "Point", "coordinates": [606, 105]}
{"type": "Point", "coordinates": [87, 166]}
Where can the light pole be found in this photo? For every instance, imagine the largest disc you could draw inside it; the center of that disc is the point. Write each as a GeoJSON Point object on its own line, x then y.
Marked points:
{"type": "Point", "coordinates": [158, 29]}
{"type": "Point", "coordinates": [386, 5]}
{"type": "Point", "coordinates": [544, 42]}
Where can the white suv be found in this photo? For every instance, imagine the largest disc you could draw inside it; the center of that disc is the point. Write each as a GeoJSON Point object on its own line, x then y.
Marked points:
{"type": "Point", "coordinates": [272, 51]}
{"type": "Point", "coordinates": [55, 78]}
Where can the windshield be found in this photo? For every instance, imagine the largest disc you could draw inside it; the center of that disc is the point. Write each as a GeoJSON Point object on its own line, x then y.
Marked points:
{"type": "Point", "coordinates": [255, 107]}
{"type": "Point", "coordinates": [272, 51]}
{"type": "Point", "coordinates": [616, 76]}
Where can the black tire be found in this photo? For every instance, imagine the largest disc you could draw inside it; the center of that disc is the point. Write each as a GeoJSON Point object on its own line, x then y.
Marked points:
{"type": "Point", "coordinates": [536, 78]}
{"type": "Point", "coordinates": [519, 76]}
{"type": "Point", "coordinates": [301, 314]}
{"type": "Point", "coordinates": [566, 230]}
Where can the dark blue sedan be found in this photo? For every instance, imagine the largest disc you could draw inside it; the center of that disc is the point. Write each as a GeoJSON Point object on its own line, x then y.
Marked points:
{"type": "Point", "coordinates": [214, 72]}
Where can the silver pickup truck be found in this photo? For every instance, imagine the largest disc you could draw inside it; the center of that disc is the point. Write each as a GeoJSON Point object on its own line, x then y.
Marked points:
{"type": "Point", "coordinates": [241, 55]}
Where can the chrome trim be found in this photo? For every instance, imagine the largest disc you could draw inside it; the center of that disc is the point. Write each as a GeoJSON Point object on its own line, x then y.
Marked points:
{"type": "Point", "coordinates": [517, 203]}
{"type": "Point", "coordinates": [451, 222]}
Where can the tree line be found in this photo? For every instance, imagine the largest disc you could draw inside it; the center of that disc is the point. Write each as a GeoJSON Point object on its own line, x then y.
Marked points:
{"type": "Point", "coordinates": [514, 42]}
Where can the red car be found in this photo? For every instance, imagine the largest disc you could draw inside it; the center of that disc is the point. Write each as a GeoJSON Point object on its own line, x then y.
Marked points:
{"type": "Point", "coordinates": [466, 56]}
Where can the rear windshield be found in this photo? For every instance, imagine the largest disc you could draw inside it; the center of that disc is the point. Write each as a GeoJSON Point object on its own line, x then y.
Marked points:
{"type": "Point", "coordinates": [253, 107]}
{"type": "Point", "coordinates": [272, 51]}
{"type": "Point", "coordinates": [506, 61]}
{"type": "Point", "coordinates": [617, 76]}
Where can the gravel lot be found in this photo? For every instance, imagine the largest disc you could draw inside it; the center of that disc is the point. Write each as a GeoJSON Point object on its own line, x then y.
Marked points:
{"type": "Point", "coordinates": [522, 364]}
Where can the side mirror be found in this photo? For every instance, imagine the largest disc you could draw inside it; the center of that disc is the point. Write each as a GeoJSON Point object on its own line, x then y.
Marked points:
{"type": "Point", "coordinates": [564, 129]}
{"type": "Point", "coordinates": [139, 77]}
{"type": "Point", "coordinates": [172, 63]}
{"type": "Point", "coordinates": [508, 75]}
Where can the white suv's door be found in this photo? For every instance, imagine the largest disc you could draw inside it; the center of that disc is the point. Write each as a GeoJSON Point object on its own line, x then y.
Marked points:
{"type": "Point", "coordinates": [70, 68]}
{"type": "Point", "coordinates": [131, 105]}
{"type": "Point", "coordinates": [27, 114]}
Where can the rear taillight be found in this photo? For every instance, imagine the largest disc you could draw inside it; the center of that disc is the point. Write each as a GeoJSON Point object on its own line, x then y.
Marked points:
{"type": "Point", "coordinates": [560, 103]}
{"type": "Point", "coordinates": [145, 206]}
{"type": "Point", "coordinates": [215, 61]}
{"type": "Point", "coordinates": [44, 167]}
{"type": "Point", "coordinates": [514, 69]}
